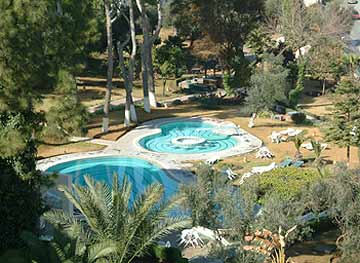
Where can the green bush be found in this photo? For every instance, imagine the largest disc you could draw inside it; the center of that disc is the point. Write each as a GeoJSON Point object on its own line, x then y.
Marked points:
{"type": "Point", "coordinates": [67, 117]}
{"type": "Point", "coordinates": [298, 118]}
{"type": "Point", "coordinates": [286, 182]}
{"type": "Point", "coordinates": [169, 255]}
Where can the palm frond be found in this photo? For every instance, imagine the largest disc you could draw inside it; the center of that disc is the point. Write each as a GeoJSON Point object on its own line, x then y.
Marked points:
{"type": "Point", "coordinates": [102, 250]}
{"type": "Point", "coordinates": [162, 230]}
{"type": "Point", "coordinates": [141, 208]}
{"type": "Point", "coordinates": [60, 220]}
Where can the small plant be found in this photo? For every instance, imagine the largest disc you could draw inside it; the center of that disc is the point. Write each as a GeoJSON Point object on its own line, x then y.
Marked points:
{"type": "Point", "coordinates": [318, 150]}
{"type": "Point", "coordinates": [298, 140]}
{"type": "Point", "coordinates": [298, 118]}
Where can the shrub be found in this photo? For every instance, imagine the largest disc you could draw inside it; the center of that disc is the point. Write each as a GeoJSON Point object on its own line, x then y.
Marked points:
{"type": "Point", "coordinates": [169, 255]}
{"type": "Point", "coordinates": [286, 182]}
{"type": "Point", "coordinates": [67, 117]}
{"type": "Point", "coordinates": [298, 117]}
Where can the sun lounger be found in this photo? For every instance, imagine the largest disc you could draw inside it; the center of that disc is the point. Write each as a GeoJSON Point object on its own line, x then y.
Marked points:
{"type": "Point", "coordinates": [298, 164]}
{"type": "Point", "coordinates": [212, 160]}
{"type": "Point", "coordinates": [308, 146]}
{"type": "Point", "coordinates": [231, 175]}
{"type": "Point", "coordinates": [264, 152]}
{"type": "Point", "coordinates": [285, 163]}
{"type": "Point", "coordinates": [263, 169]}
{"type": "Point", "coordinates": [275, 137]}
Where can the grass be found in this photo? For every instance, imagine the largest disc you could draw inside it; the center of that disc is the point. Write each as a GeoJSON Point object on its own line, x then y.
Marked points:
{"type": "Point", "coordinates": [92, 90]}
{"type": "Point", "coordinates": [49, 150]}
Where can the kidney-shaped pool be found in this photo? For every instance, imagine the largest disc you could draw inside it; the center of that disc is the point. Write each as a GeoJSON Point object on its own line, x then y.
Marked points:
{"type": "Point", "coordinates": [188, 137]}
{"type": "Point", "coordinates": [140, 173]}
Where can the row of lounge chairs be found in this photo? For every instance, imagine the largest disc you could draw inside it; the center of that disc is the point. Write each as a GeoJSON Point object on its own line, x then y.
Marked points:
{"type": "Point", "coordinates": [231, 175]}
{"type": "Point", "coordinates": [283, 136]}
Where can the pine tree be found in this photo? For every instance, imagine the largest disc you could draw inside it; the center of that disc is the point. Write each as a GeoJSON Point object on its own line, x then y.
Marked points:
{"type": "Point", "coordinates": [345, 123]}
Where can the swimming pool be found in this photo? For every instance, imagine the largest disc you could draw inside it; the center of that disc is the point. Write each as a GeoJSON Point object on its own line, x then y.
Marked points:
{"type": "Point", "coordinates": [140, 173]}
{"type": "Point", "coordinates": [188, 137]}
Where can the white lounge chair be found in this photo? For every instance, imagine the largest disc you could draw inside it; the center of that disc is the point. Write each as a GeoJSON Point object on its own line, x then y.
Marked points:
{"type": "Point", "coordinates": [191, 237]}
{"type": "Point", "coordinates": [263, 169]}
{"type": "Point", "coordinates": [264, 152]}
{"type": "Point", "coordinates": [294, 133]}
{"type": "Point", "coordinates": [308, 146]}
{"type": "Point", "coordinates": [212, 160]}
{"type": "Point", "coordinates": [231, 175]}
{"type": "Point", "coordinates": [275, 137]}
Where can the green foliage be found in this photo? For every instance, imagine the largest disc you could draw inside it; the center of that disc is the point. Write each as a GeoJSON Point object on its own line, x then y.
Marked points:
{"type": "Point", "coordinates": [324, 59]}
{"type": "Point", "coordinates": [287, 182]}
{"type": "Point", "coordinates": [68, 117]}
{"type": "Point", "coordinates": [183, 16]}
{"type": "Point", "coordinates": [215, 203]}
{"type": "Point", "coordinates": [200, 196]}
{"type": "Point", "coordinates": [227, 84]}
{"type": "Point", "coordinates": [298, 140]}
{"type": "Point", "coordinates": [242, 73]}
{"type": "Point", "coordinates": [268, 84]}
{"type": "Point", "coordinates": [172, 53]}
{"type": "Point", "coordinates": [342, 129]}
{"type": "Point", "coordinates": [295, 94]}
{"type": "Point", "coordinates": [338, 194]}
{"type": "Point", "coordinates": [285, 213]}
{"type": "Point", "coordinates": [118, 228]}
{"type": "Point", "coordinates": [36, 42]}
{"type": "Point", "coordinates": [260, 42]}
{"type": "Point", "coordinates": [298, 117]}
{"type": "Point", "coordinates": [20, 183]}
{"type": "Point", "coordinates": [228, 23]}
{"type": "Point", "coordinates": [23, 69]}
{"type": "Point", "coordinates": [169, 255]}
{"type": "Point", "coordinates": [236, 255]}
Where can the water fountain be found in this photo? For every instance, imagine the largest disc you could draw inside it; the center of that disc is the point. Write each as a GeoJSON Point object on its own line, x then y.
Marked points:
{"type": "Point", "coordinates": [188, 141]}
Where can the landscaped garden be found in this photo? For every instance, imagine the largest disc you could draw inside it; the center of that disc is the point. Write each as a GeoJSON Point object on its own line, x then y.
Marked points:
{"type": "Point", "coordinates": [179, 131]}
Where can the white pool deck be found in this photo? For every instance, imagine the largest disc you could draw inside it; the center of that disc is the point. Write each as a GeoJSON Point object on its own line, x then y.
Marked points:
{"type": "Point", "coordinates": [174, 164]}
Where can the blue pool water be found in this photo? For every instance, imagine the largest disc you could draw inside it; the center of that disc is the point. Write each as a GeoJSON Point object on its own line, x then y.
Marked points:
{"type": "Point", "coordinates": [139, 172]}
{"type": "Point", "coordinates": [162, 142]}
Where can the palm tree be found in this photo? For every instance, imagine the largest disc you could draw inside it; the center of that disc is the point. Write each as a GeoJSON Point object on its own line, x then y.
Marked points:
{"type": "Point", "coordinates": [119, 227]}
{"type": "Point", "coordinates": [298, 140]}
{"type": "Point", "coordinates": [318, 149]}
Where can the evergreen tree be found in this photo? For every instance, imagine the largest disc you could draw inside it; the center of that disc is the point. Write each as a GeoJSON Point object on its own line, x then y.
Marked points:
{"type": "Point", "coordinates": [67, 117]}
{"type": "Point", "coordinates": [294, 94]}
{"type": "Point", "coordinates": [21, 204]}
{"type": "Point", "coordinates": [268, 84]}
{"type": "Point", "coordinates": [345, 122]}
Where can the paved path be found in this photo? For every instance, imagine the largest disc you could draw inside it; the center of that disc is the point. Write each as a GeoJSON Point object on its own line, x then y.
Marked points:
{"type": "Point", "coordinates": [121, 102]}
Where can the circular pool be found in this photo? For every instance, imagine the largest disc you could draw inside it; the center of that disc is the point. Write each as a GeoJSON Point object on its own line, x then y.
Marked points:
{"type": "Point", "coordinates": [188, 137]}
{"type": "Point", "coordinates": [139, 172]}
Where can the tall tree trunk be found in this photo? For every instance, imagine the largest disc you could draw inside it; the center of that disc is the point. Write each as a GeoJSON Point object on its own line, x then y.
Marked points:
{"type": "Point", "coordinates": [323, 86]}
{"type": "Point", "coordinates": [128, 74]}
{"type": "Point", "coordinates": [146, 54]}
{"type": "Point", "coordinates": [133, 115]}
{"type": "Point", "coordinates": [348, 153]}
{"type": "Point", "coordinates": [145, 78]}
{"type": "Point", "coordinates": [164, 86]}
{"type": "Point", "coordinates": [105, 126]}
{"type": "Point", "coordinates": [151, 81]}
